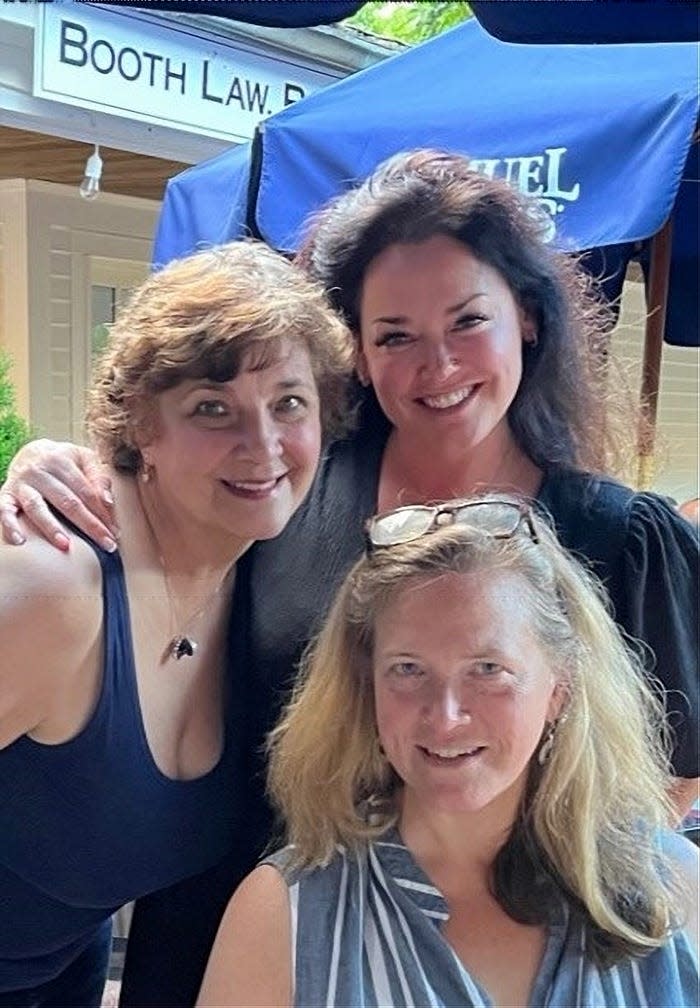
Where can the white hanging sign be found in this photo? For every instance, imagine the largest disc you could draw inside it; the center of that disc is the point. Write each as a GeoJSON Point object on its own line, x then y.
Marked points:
{"type": "Point", "coordinates": [126, 63]}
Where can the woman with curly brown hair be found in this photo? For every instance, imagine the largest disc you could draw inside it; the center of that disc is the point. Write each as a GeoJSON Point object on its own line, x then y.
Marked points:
{"type": "Point", "coordinates": [118, 751]}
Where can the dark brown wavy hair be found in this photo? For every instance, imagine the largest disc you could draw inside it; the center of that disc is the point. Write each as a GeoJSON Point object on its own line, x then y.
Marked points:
{"type": "Point", "coordinates": [572, 409]}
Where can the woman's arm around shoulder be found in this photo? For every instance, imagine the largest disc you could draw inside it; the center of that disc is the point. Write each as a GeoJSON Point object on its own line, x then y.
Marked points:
{"type": "Point", "coordinates": [251, 963]}
{"type": "Point", "coordinates": [50, 616]}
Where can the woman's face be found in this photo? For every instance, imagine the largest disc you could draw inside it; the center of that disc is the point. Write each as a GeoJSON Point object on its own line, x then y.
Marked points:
{"type": "Point", "coordinates": [238, 457]}
{"type": "Point", "coordinates": [463, 691]}
{"type": "Point", "coordinates": [440, 340]}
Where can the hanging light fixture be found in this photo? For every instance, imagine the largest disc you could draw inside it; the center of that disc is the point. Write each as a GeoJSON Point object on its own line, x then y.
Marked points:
{"type": "Point", "coordinates": [90, 185]}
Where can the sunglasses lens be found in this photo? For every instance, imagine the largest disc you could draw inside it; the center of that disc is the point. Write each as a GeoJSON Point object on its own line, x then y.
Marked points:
{"type": "Point", "coordinates": [499, 519]}
{"type": "Point", "coordinates": [400, 526]}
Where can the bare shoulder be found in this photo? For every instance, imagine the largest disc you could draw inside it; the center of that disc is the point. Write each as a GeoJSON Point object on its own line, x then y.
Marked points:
{"type": "Point", "coordinates": [38, 571]}
{"type": "Point", "coordinates": [251, 962]}
{"type": "Point", "coordinates": [50, 614]}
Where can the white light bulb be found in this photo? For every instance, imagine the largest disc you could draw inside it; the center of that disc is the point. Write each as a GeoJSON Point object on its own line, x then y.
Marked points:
{"type": "Point", "coordinates": [90, 186]}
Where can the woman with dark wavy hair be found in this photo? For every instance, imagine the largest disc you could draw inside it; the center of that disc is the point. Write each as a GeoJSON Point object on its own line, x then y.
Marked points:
{"type": "Point", "coordinates": [482, 365]}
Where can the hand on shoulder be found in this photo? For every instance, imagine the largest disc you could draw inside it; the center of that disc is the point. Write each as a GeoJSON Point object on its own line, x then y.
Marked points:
{"type": "Point", "coordinates": [251, 962]}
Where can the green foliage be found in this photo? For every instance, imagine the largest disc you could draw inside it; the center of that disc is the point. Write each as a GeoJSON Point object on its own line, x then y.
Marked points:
{"type": "Point", "coordinates": [99, 339]}
{"type": "Point", "coordinates": [14, 431]}
{"type": "Point", "coordinates": [410, 22]}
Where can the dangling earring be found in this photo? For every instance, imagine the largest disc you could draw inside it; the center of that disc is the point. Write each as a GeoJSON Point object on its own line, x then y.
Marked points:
{"type": "Point", "coordinates": [545, 750]}
{"type": "Point", "coordinates": [147, 471]}
{"type": "Point", "coordinates": [547, 745]}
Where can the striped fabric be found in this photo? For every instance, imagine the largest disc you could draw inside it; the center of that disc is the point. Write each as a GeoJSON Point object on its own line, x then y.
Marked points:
{"type": "Point", "coordinates": [366, 934]}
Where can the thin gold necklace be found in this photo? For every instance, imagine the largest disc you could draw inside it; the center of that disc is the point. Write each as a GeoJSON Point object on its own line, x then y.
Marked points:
{"type": "Point", "coordinates": [182, 644]}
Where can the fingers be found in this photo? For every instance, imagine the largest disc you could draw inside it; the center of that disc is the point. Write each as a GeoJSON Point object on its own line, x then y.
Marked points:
{"type": "Point", "coordinates": [82, 491]}
{"type": "Point", "coordinates": [46, 489]}
{"type": "Point", "coordinates": [70, 479]}
{"type": "Point", "coordinates": [9, 526]}
{"type": "Point", "coordinates": [35, 512]}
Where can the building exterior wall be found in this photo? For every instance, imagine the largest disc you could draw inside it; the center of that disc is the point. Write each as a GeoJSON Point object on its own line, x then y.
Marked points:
{"type": "Point", "coordinates": [678, 417]}
{"type": "Point", "coordinates": [45, 322]}
{"type": "Point", "coordinates": [14, 279]}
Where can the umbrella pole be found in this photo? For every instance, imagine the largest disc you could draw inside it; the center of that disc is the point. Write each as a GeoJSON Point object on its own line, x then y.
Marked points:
{"type": "Point", "coordinates": [659, 269]}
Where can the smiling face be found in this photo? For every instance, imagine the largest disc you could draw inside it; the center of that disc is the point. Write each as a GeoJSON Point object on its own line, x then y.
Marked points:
{"type": "Point", "coordinates": [235, 459]}
{"type": "Point", "coordinates": [441, 340]}
{"type": "Point", "coordinates": [463, 691]}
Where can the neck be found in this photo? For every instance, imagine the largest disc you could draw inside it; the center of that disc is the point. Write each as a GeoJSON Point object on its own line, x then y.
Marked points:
{"type": "Point", "coordinates": [419, 470]}
{"type": "Point", "coordinates": [463, 843]}
{"type": "Point", "coordinates": [185, 550]}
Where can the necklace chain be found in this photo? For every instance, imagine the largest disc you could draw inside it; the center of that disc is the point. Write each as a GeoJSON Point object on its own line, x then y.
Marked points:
{"type": "Point", "coordinates": [181, 644]}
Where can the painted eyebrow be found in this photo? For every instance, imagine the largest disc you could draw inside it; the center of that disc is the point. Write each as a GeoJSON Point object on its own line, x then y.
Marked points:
{"type": "Point", "coordinates": [399, 319]}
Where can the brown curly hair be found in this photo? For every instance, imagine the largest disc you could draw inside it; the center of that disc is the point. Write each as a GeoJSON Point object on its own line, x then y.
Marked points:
{"type": "Point", "coordinates": [198, 317]}
{"type": "Point", "coordinates": [573, 408]}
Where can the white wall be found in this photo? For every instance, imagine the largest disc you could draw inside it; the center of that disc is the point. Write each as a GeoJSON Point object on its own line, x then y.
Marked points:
{"type": "Point", "coordinates": [60, 244]}
{"type": "Point", "coordinates": [678, 441]}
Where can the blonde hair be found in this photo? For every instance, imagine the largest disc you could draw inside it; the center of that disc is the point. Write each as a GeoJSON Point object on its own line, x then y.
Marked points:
{"type": "Point", "coordinates": [588, 823]}
{"type": "Point", "coordinates": [199, 317]}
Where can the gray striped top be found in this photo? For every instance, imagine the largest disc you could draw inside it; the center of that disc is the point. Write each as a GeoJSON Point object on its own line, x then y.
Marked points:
{"type": "Point", "coordinates": [366, 933]}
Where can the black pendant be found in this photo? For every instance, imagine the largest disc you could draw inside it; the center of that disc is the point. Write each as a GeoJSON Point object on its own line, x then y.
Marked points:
{"type": "Point", "coordinates": [182, 647]}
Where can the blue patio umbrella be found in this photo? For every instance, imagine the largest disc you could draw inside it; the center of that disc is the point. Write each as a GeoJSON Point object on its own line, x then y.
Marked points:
{"type": "Point", "coordinates": [204, 205]}
{"type": "Point", "coordinates": [600, 134]}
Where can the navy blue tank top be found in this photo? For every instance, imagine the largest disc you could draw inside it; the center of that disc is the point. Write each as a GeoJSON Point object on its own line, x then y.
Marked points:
{"type": "Point", "coordinates": [92, 823]}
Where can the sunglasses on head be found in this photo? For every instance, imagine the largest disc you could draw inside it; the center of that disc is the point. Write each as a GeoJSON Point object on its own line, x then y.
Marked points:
{"type": "Point", "coordinates": [498, 518]}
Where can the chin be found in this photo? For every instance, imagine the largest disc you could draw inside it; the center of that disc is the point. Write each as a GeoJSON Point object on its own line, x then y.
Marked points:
{"type": "Point", "coordinates": [268, 520]}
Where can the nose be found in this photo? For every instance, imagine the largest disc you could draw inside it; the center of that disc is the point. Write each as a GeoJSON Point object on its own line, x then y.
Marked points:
{"type": "Point", "coordinates": [259, 438]}
{"type": "Point", "coordinates": [447, 706]}
{"type": "Point", "coordinates": [440, 358]}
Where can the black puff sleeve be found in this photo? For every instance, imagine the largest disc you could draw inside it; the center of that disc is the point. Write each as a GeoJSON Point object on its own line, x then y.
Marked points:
{"type": "Point", "coordinates": [654, 588]}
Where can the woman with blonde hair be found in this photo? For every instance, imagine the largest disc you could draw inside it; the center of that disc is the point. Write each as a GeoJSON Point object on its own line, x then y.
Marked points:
{"type": "Point", "coordinates": [474, 790]}
{"type": "Point", "coordinates": [119, 738]}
